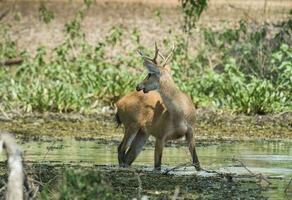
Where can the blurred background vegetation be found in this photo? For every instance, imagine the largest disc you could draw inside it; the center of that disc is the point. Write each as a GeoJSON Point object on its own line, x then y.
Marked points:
{"type": "Point", "coordinates": [79, 56]}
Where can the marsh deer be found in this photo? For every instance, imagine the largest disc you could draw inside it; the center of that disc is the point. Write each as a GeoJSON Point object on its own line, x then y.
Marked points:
{"type": "Point", "coordinates": [157, 108]}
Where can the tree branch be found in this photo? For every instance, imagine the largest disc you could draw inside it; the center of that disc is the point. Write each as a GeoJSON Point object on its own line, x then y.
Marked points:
{"type": "Point", "coordinates": [16, 175]}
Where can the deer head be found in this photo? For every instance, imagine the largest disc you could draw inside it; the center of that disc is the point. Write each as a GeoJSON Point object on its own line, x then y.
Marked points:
{"type": "Point", "coordinates": [156, 71]}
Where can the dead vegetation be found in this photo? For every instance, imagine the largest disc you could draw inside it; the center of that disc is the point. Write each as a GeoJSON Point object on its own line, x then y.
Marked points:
{"type": "Point", "coordinates": [153, 18]}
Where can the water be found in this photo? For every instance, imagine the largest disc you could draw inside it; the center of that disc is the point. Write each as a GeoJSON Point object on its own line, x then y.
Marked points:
{"type": "Point", "coordinates": [272, 159]}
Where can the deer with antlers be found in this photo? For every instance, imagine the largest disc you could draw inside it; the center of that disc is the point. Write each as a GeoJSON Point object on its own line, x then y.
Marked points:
{"type": "Point", "coordinates": [158, 108]}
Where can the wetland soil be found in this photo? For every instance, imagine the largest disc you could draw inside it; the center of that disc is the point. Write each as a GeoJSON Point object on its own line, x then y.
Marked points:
{"type": "Point", "coordinates": [104, 182]}
{"type": "Point", "coordinates": [210, 126]}
{"type": "Point", "coordinates": [86, 181]}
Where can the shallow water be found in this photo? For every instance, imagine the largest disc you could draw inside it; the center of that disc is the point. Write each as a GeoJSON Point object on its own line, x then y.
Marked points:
{"type": "Point", "coordinates": [272, 159]}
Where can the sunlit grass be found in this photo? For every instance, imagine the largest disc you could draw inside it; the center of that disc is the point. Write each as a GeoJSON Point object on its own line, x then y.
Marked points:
{"type": "Point", "coordinates": [242, 69]}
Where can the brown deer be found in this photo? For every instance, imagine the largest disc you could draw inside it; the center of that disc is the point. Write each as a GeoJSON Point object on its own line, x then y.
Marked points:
{"type": "Point", "coordinates": [157, 108]}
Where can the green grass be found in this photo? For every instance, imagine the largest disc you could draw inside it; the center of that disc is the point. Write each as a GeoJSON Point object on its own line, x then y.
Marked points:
{"type": "Point", "coordinates": [102, 183]}
{"type": "Point", "coordinates": [245, 70]}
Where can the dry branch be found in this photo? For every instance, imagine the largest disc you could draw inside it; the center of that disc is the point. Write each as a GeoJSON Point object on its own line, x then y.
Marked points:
{"type": "Point", "coordinates": [4, 14]}
{"type": "Point", "coordinates": [4, 113]}
{"type": "Point", "coordinates": [245, 12]}
{"type": "Point", "coordinates": [228, 176]}
{"type": "Point", "coordinates": [12, 61]}
{"type": "Point", "coordinates": [176, 193]}
{"type": "Point", "coordinates": [287, 187]}
{"type": "Point", "coordinates": [140, 189]}
{"type": "Point", "coordinates": [177, 167]}
{"type": "Point", "coordinates": [259, 176]}
{"type": "Point", "coordinates": [16, 175]}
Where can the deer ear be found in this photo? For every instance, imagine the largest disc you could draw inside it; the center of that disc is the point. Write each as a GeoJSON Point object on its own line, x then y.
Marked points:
{"type": "Point", "coordinates": [152, 68]}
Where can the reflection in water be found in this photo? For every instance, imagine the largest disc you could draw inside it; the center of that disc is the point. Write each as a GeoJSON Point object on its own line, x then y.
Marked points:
{"type": "Point", "coordinates": [264, 155]}
{"type": "Point", "coordinates": [268, 158]}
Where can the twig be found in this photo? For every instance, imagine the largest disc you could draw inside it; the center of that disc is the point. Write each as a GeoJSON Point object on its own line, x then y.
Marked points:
{"type": "Point", "coordinates": [176, 193]}
{"type": "Point", "coordinates": [45, 156]}
{"type": "Point", "coordinates": [287, 187]}
{"type": "Point", "coordinates": [226, 175]}
{"type": "Point", "coordinates": [49, 181]}
{"type": "Point", "coordinates": [73, 48]}
{"type": "Point", "coordinates": [243, 165]}
{"type": "Point", "coordinates": [260, 176]}
{"type": "Point", "coordinates": [27, 186]}
{"type": "Point", "coordinates": [4, 14]}
{"type": "Point", "coordinates": [30, 189]}
{"type": "Point", "coordinates": [35, 192]}
{"type": "Point", "coordinates": [12, 61]}
{"type": "Point", "coordinates": [139, 185]}
{"type": "Point", "coordinates": [177, 167]}
{"type": "Point", "coordinates": [244, 11]}
{"type": "Point", "coordinates": [284, 112]}
{"type": "Point", "coordinates": [35, 181]}
{"type": "Point", "coordinates": [48, 150]}
{"type": "Point", "coordinates": [4, 113]}
{"type": "Point", "coordinates": [265, 8]}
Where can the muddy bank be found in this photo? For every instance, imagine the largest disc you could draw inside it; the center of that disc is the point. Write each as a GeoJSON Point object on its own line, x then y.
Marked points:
{"type": "Point", "coordinates": [211, 126]}
{"type": "Point", "coordinates": [61, 181]}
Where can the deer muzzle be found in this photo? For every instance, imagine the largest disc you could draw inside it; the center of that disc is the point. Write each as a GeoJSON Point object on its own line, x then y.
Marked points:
{"type": "Point", "coordinates": [140, 87]}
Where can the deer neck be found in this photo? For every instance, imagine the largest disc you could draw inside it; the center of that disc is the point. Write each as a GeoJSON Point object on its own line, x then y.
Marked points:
{"type": "Point", "coordinates": [171, 96]}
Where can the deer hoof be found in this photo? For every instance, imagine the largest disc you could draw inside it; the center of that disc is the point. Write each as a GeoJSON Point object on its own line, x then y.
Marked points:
{"type": "Point", "coordinates": [197, 166]}
{"type": "Point", "coordinates": [124, 165]}
{"type": "Point", "coordinates": [157, 169]}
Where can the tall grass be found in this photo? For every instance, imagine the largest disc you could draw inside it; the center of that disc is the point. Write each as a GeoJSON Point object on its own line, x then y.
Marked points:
{"type": "Point", "coordinates": [247, 69]}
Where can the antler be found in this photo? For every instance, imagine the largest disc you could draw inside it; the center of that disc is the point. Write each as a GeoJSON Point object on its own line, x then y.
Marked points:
{"type": "Point", "coordinates": [167, 58]}
{"type": "Point", "coordinates": [157, 53]}
{"type": "Point", "coordinates": [161, 55]}
{"type": "Point", "coordinates": [143, 55]}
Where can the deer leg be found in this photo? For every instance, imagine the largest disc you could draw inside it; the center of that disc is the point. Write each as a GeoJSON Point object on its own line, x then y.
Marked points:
{"type": "Point", "coordinates": [159, 145]}
{"type": "Point", "coordinates": [128, 137]}
{"type": "Point", "coordinates": [136, 147]}
{"type": "Point", "coordinates": [192, 148]}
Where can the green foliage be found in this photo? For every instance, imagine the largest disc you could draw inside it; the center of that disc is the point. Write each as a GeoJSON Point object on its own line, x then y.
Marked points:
{"type": "Point", "coordinates": [115, 35]}
{"type": "Point", "coordinates": [73, 27]}
{"type": "Point", "coordinates": [79, 184]}
{"type": "Point", "coordinates": [87, 3]}
{"type": "Point", "coordinates": [8, 47]}
{"type": "Point", "coordinates": [17, 16]}
{"type": "Point", "coordinates": [251, 74]}
{"type": "Point", "coordinates": [245, 69]}
{"type": "Point", "coordinates": [45, 15]}
{"type": "Point", "coordinates": [192, 10]}
{"type": "Point", "coordinates": [75, 78]}
{"type": "Point", "coordinates": [157, 14]}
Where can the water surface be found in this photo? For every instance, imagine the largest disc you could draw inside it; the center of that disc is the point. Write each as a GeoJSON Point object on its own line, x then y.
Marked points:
{"type": "Point", "coordinates": [272, 159]}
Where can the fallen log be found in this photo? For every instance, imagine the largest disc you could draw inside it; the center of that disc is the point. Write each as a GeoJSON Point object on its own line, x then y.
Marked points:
{"type": "Point", "coordinates": [12, 61]}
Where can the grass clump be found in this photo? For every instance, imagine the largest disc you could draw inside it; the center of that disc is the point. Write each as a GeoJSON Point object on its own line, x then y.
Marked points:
{"type": "Point", "coordinates": [83, 184]}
